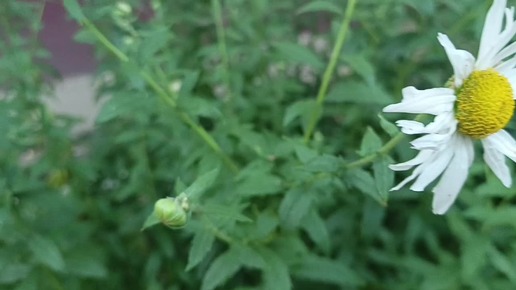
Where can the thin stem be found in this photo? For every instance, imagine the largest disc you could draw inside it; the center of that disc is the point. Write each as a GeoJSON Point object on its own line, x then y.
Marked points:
{"type": "Point", "coordinates": [382, 151]}
{"type": "Point", "coordinates": [330, 69]}
{"type": "Point", "coordinates": [221, 40]}
{"type": "Point", "coordinates": [165, 96]}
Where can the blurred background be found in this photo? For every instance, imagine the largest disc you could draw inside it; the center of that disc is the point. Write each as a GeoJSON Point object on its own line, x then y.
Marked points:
{"type": "Point", "coordinates": [108, 106]}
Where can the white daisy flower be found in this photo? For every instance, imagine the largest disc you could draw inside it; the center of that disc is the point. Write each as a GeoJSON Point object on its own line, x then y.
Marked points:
{"type": "Point", "coordinates": [477, 105]}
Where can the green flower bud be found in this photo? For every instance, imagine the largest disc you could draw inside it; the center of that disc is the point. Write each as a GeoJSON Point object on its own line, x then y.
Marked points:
{"type": "Point", "coordinates": [171, 211]}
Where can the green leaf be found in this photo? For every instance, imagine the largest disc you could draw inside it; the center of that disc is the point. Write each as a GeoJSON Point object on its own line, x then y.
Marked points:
{"type": "Point", "coordinates": [188, 83]}
{"type": "Point", "coordinates": [298, 54]}
{"type": "Point", "coordinates": [388, 126]}
{"type": "Point", "coordinates": [305, 154]}
{"type": "Point", "coordinates": [314, 225]}
{"type": "Point", "coordinates": [320, 6]}
{"type": "Point", "coordinates": [275, 274]}
{"type": "Point", "coordinates": [74, 9]}
{"type": "Point", "coordinates": [502, 263]}
{"type": "Point", "coordinates": [362, 66]}
{"type": "Point", "coordinates": [383, 176]}
{"type": "Point", "coordinates": [201, 245]}
{"type": "Point", "coordinates": [86, 263]}
{"type": "Point", "coordinates": [473, 257]}
{"type": "Point", "coordinates": [324, 163]}
{"type": "Point", "coordinates": [248, 256]}
{"type": "Point", "coordinates": [201, 184]}
{"type": "Point", "coordinates": [257, 180]}
{"type": "Point", "coordinates": [12, 272]}
{"type": "Point", "coordinates": [358, 92]}
{"type": "Point", "coordinates": [151, 220]}
{"type": "Point", "coordinates": [153, 42]}
{"type": "Point", "coordinates": [294, 206]}
{"type": "Point", "coordinates": [222, 268]}
{"type": "Point", "coordinates": [364, 182]}
{"type": "Point", "coordinates": [371, 142]}
{"type": "Point", "coordinates": [47, 253]}
{"type": "Point", "coordinates": [302, 109]}
{"type": "Point", "coordinates": [321, 269]}
{"type": "Point", "coordinates": [125, 106]}
{"type": "Point", "coordinates": [228, 212]}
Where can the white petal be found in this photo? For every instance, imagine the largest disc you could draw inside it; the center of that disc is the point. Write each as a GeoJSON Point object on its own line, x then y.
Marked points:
{"type": "Point", "coordinates": [454, 177]}
{"type": "Point", "coordinates": [496, 161]}
{"type": "Point", "coordinates": [442, 123]}
{"type": "Point", "coordinates": [492, 27]}
{"type": "Point", "coordinates": [421, 157]}
{"type": "Point", "coordinates": [414, 174]}
{"type": "Point", "coordinates": [462, 61]}
{"type": "Point", "coordinates": [434, 106]}
{"type": "Point", "coordinates": [504, 143]}
{"type": "Point", "coordinates": [433, 169]}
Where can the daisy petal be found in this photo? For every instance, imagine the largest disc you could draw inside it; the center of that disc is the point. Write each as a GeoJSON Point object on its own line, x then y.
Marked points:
{"type": "Point", "coordinates": [431, 101]}
{"type": "Point", "coordinates": [421, 157]}
{"type": "Point", "coordinates": [492, 27]}
{"type": "Point", "coordinates": [462, 61]}
{"type": "Point", "coordinates": [433, 169]}
{"type": "Point", "coordinates": [496, 161]}
{"type": "Point", "coordinates": [504, 143]}
{"type": "Point", "coordinates": [454, 177]}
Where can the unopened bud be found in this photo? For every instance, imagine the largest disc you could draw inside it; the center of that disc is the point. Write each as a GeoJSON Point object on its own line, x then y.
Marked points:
{"type": "Point", "coordinates": [172, 211]}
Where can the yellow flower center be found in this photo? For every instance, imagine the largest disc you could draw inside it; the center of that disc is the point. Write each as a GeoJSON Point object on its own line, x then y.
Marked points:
{"type": "Point", "coordinates": [485, 104]}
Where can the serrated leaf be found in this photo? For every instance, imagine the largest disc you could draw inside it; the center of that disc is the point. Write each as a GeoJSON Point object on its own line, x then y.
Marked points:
{"type": "Point", "coordinates": [320, 6]}
{"type": "Point", "coordinates": [248, 256]}
{"type": "Point", "coordinates": [302, 109]}
{"type": "Point", "coordinates": [86, 263]}
{"type": "Point", "coordinates": [371, 142]}
{"type": "Point", "coordinates": [358, 92]}
{"type": "Point", "coordinates": [362, 66]}
{"type": "Point", "coordinates": [125, 105]}
{"type": "Point", "coordinates": [363, 181]}
{"type": "Point", "coordinates": [257, 182]}
{"type": "Point", "coordinates": [275, 274]}
{"type": "Point", "coordinates": [298, 54]}
{"type": "Point", "coordinates": [47, 253]}
{"type": "Point", "coordinates": [201, 245]}
{"type": "Point", "coordinates": [222, 268]}
{"type": "Point", "coordinates": [153, 42]}
{"type": "Point", "coordinates": [74, 9]}
{"type": "Point", "coordinates": [324, 163]}
{"type": "Point", "coordinates": [12, 272]}
{"type": "Point", "coordinates": [388, 126]}
{"type": "Point", "coordinates": [304, 154]}
{"type": "Point", "coordinates": [314, 225]}
{"type": "Point", "coordinates": [473, 257]}
{"type": "Point", "coordinates": [229, 212]}
{"type": "Point", "coordinates": [151, 220]}
{"type": "Point", "coordinates": [294, 206]}
{"type": "Point", "coordinates": [383, 176]}
{"type": "Point", "coordinates": [201, 184]}
{"type": "Point", "coordinates": [502, 263]}
{"type": "Point", "coordinates": [325, 270]}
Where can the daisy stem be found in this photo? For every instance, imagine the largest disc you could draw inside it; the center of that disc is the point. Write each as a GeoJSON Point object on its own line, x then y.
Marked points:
{"type": "Point", "coordinates": [166, 96]}
{"type": "Point", "coordinates": [386, 148]}
{"type": "Point", "coordinates": [221, 39]}
{"type": "Point", "coordinates": [382, 151]}
{"type": "Point", "coordinates": [330, 69]}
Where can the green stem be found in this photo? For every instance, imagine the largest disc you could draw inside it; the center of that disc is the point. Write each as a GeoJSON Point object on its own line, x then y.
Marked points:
{"type": "Point", "coordinates": [382, 151]}
{"type": "Point", "coordinates": [221, 40]}
{"type": "Point", "coordinates": [165, 96]}
{"type": "Point", "coordinates": [330, 69]}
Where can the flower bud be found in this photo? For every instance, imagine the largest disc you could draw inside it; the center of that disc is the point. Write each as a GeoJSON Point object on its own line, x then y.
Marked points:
{"type": "Point", "coordinates": [171, 212]}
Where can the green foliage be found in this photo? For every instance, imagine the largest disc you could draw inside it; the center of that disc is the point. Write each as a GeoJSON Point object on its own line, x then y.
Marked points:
{"type": "Point", "coordinates": [206, 103]}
